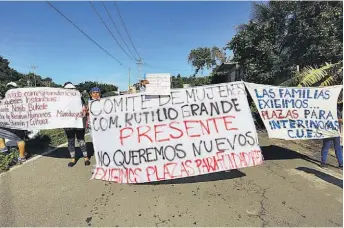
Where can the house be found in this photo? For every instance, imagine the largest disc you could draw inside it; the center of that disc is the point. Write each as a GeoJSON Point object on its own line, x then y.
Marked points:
{"type": "Point", "coordinates": [230, 71]}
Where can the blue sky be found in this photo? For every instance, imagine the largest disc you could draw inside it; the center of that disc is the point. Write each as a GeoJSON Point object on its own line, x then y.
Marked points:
{"type": "Point", "coordinates": [163, 33]}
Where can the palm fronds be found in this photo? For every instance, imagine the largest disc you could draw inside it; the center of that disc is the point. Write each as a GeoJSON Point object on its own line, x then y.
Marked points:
{"type": "Point", "coordinates": [327, 75]}
{"type": "Point", "coordinates": [312, 76]}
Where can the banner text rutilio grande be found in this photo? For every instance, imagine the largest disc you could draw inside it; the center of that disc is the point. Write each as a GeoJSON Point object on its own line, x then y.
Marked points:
{"type": "Point", "coordinates": [193, 132]}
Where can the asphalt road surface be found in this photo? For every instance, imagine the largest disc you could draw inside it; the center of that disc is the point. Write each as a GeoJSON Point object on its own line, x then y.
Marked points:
{"type": "Point", "coordinates": [289, 189]}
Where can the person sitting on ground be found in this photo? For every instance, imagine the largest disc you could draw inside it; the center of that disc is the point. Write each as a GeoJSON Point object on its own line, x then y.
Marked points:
{"type": "Point", "coordinates": [13, 134]}
{"type": "Point", "coordinates": [79, 133]}
{"type": "Point", "coordinates": [336, 141]}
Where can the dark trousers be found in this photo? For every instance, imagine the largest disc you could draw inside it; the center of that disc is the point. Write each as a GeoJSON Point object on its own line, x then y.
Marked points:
{"type": "Point", "coordinates": [79, 134]}
{"type": "Point", "coordinates": [337, 148]}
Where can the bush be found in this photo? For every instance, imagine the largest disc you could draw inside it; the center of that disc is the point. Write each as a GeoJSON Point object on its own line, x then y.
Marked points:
{"type": "Point", "coordinates": [8, 160]}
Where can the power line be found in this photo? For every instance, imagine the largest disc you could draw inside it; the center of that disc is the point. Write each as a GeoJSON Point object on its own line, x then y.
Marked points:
{"type": "Point", "coordinates": [114, 24]}
{"type": "Point", "coordinates": [100, 17]}
{"type": "Point", "coordinates": [83, 32]}
{"type": "Point", "coordinates": [119, 14]}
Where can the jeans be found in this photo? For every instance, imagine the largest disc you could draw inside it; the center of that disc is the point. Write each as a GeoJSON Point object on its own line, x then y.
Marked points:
{"type": "Point", "coordinates": [338, 149]}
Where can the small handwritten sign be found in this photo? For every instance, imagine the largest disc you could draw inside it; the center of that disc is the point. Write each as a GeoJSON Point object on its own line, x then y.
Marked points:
{"type": "Point", "coordinates": [41, 108]}
{"type": "Point", "coordinates": [159, 84]}
{"type": "Point", "coordinates": [294, 113]}
{"type": "Point", "coordinates": [192, 132]}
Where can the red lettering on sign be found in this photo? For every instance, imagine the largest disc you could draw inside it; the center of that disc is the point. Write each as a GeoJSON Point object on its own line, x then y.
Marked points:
{"type": "Point", "coordinates": [122, 136]}
{"type": "Point", "coordinates": [144, 134]}
{"type": "Point", "coordinates": [187, 127]}
{"type": "Point", "coordinates": [171, 170]}
{"type": "Point", "coordinates": [157, 132]}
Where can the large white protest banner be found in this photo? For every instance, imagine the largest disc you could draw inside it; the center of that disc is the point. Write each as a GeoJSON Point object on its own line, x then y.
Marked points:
{"type": "Point", "coordinates": [41, 108]}
{"type": "Point", "coordinates": [294, 113]}
{"type": "Point", "coordinates": [195, 131]}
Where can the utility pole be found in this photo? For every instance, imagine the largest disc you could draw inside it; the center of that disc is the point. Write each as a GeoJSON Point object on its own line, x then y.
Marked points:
{"type": "Point", "coordinates": [139, 63]}
{"type": "Point", "coordinates": [34, 67]}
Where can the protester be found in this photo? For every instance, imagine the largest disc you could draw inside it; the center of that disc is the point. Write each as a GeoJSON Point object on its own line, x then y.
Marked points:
{"type": "Point", "coordinates": [95, 94]}
{"type": "Point", "coordinates": [79, 133]}
{"type": "Point", "coordinates": [143, 84]}
{"type": "Point", "coordinates": [336, 142]}
{"type": "Point", "coordinates": [13, 134]}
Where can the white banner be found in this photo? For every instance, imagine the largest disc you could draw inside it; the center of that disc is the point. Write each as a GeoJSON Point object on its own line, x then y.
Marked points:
{"type": "Point", "coordinates": [41, 108]}
{"type": "Point", "coordinates": [295, 113]}
{"type": "Point", "coordinates": [195, 131]}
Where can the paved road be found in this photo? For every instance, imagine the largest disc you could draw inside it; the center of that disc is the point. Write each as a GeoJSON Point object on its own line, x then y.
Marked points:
{"type": "Point", "coordinates": [289, 189]}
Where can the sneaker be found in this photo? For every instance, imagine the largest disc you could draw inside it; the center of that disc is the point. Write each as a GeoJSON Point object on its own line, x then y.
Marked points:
{"type": "Point", "coordinates": [93, 169]}
{"type": "Point", "coordinates": [21, 160]}
{"type": "Point", "coordinates": [323, 165]}
{"type": "Point", "coordinates": [4, 150]}
{"type": "Point", "coordinates": [87, 162]}
{"type": "Point", "coordinates": [71, 164]}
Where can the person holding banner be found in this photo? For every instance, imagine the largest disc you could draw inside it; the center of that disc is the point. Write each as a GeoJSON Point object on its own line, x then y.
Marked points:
{"type": "Point", "coordinates": [13, 134]}
{"type": "Point", "coordinates": [336, 142]}
{"type": "Point", "coordinates": [79, 134]}
{"type": "Point", "coordinates": [95, 94]}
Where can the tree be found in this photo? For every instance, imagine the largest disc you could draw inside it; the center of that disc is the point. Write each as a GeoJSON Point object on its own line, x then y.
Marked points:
{"type": "Point", "coordinates": [201, 58]}
{"type": "Point", "coordinates": [218, 55]}
{"type": "Point", "coordinates": [179, 81]}
{"type": "Point", "coordinates": [282, 35]}
{"type": "Point", "coordinates": [88, 85]}
{"type": "Point", "coordinates": [327, 75]}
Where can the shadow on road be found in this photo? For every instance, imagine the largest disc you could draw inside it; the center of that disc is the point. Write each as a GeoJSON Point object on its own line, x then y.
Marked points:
{"type": "Point", "coordinates": [202, 178]}
{"type": "Point", "coordinates": [273, 152]}
{"type": "Point", "coordinates": [63, 152]}
{"type": "Point", "coordinates": [328, 178]}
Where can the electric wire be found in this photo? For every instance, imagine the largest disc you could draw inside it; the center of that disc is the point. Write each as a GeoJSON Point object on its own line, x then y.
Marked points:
{"type": "Point", "coordinates": [114, 24]}
{"type": "Point", "coordinates": [119, 14]}
{"type": "Point", "coordinates": [100, 17]}
{"type": "Point", "coordinates": [51, 5]}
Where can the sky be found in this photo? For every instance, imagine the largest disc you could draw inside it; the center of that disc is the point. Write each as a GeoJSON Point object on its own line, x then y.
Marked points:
{"type": "Point", "coordinates": [164, 33]}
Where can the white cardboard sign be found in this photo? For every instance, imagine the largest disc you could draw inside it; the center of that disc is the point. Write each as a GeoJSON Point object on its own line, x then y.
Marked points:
{"type": "Point", "coordinates": [294, 113]}
{"type": "Point", "coordinates": [159, 84]}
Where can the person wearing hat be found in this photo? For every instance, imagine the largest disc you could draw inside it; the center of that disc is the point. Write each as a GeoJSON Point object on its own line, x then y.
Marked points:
{"type": "Point", "coordinates": [13, 134]}
{"type": "Point", "coordinates": [95, 94]}
{"type": "Point", "coordinates": [78, 133]}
